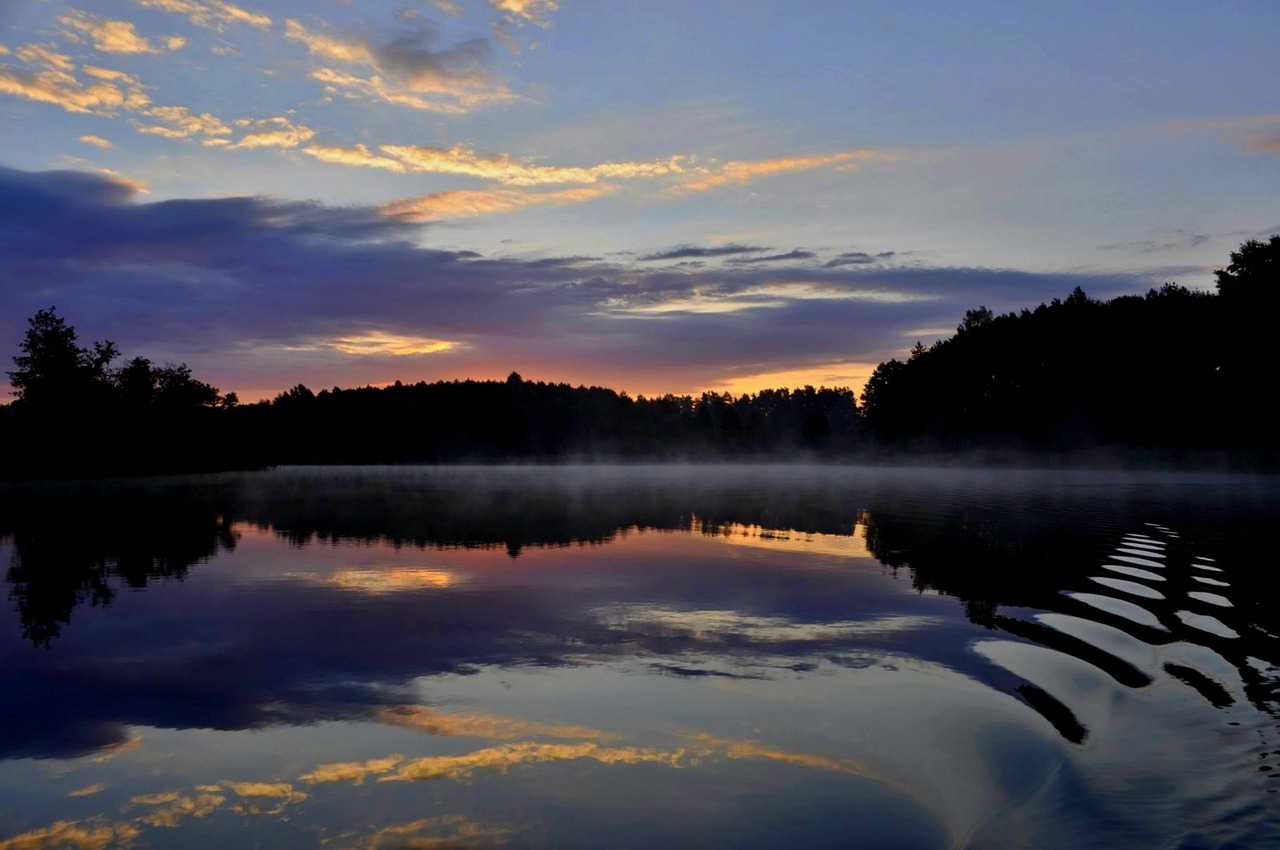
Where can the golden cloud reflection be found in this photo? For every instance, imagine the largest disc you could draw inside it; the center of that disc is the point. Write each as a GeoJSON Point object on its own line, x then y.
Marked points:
{"type": "Point", "coordinates": [444, 832]}
{"type": "Point", "coordinates": [66, 834]}
{"type": "Point", "coordinates": [853, 545]}
{"type": "Point", "coordinates": [391, 580]}
{"type": "Point", "coordinates": [87, 791]}
{"type": "Point", "coordinates": [499, 759]}
{"type": "Point", "coordinates": [711, 625]}
{"type": "Point", "coordinates": [480, 725]}
{"type": "Point", "coordinates": [172, 808]}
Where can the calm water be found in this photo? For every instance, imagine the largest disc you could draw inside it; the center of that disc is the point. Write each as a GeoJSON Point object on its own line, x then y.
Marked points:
{"type": "Point", "coordinates": [640, 657]}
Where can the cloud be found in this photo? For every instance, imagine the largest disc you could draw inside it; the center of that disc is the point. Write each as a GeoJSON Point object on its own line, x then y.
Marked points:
{"type": "Point", "coordinates": [110, 75]}
{"type": "Point", "coordinates": [178, 122]}
{"type": "Point", "coordinates": [745, 172]}
{"type": "Point", "coordinates": [512, 172]}
{"type": "Point", "coordinates": [1171, 240]}
{"type": "Point", "coordinates": [96, 141]}
{"type": "Point", "coordinates": [42, 56]}
{"type": "Point", "coordinates": [379, 343]}
{"type": "Point", "coordinates": [447, 6]}
{"type": "Point", "coordinates": [411, 69]}
{"type": "Point", "coordinates": [233, 284]}
{"type": "Point", "coordinates": [358, 156]}
{"type": "Point", "coordinates": [62, 89]}
{"type": "Point", "coordinates": [686, 251]}
{"type": "Point", "coordinates": [789, 256]}
{"type": "Point", "coordinates": [468, 204]}
{"type": "Point", "coordinates": [278, 132]}
{"type": "Point", "coordinates": [112, 36]}
{"type": "Point", "coordinates": [212, 14]}
{"type": "Point", "coordinates": [527, 11]}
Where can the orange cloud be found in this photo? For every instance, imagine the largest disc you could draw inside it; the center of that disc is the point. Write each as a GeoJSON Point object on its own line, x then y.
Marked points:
{"type": "Point", "coordinates": [287, 134]}
{"type": "Point", "coordinates": [213, 14]}
{"type": "Point", "coordinates": [377, 88]}
{"type": "Point", "coordinates": [183, 123]}
{"type": "Point", "coordinates": [467, 204]}
{"type": "Point", "coordinates": [110, 75]}
{"type": "Point", "coordinates": [358, 156]}
{"type": "Point", "coordinates": [61, 89]}
{"type": "Point", "coordinates": [44, 57]}
{"type": "Point", "coordinates": [111, 36]}
{"type": "Point", "coordinates": [527, 11]}
{"type": "Point", "coordinates": [456, 79]}
{"type": "Point", "coordinates": [744, 172]}
{"type": "Point", "coordinates": [512, 172]}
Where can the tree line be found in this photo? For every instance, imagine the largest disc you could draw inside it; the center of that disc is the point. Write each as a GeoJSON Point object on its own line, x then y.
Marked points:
{"type": "Point", "coordinates": [1172, 371]}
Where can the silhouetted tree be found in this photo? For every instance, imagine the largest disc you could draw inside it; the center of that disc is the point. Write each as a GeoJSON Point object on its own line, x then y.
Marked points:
{"type": "Point", "coordinates": [1254, 272]}
{"type": "Point", "coordinates": [54, 372]}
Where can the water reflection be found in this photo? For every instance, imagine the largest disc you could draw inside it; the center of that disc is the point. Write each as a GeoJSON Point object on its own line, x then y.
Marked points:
{"type": "Point", "coordinates": [558, 637]}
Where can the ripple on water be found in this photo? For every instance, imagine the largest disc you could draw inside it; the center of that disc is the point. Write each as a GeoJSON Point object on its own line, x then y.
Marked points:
{"type": "Point", "coordinates": [1128, 587]}
{"type": "Point", "coordinates": [1120, 608]}
{"type": "Point", "coordinates": [1142, 562]}
{"type": "Point", "coordinates": [1212, 581]}
{"type": "Point", "coordinates": [1211, 598]}
{"type": "Point", "coordinates": [1147, 553]}
{"type": "Point", "coordinates": [1133, 571]}
{"type": "Point", "coordinates": [1207, 567]}
{"type": "Point", "coordinates": [1205, 623]}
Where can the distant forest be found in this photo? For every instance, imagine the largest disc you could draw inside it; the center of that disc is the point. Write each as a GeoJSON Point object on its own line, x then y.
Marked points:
{"type": "Point", "coordinates": [1175, 374]}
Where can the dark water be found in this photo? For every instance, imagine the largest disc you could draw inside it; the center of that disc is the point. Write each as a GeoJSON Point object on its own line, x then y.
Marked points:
{"type": "Point", "coordinates": [641, 657]}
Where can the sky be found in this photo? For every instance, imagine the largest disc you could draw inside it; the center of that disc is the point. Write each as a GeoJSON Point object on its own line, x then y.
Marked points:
{"type": "Point", "coordinates": [647, 195]}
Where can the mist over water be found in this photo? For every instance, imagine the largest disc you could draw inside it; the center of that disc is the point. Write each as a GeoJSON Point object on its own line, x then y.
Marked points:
{"type": "Point", "coordinates": [744, 656]}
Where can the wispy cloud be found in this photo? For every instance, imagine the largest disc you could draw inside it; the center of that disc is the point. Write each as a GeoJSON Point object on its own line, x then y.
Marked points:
{"type": "Point", "coordinates": [112, 36]}
{"type": "Point", "coordinates": [61, 89]}
{"type": "Point", "coordinates": [43, 56]}
{"type": "Point", "coordinates": [685, 252]}
{"type": "Point", "coordinates": [179, 122]}
{"type": "Point", "coordinates": [359, 156]}
{"type": "Point", "coordinates": [412, 69]}
{"type": "Point", "coordinates": [277, 132]}
{"type": "Point", "coordinates": [744, 172]}
{"type": "Point", "coordinates": [96, 141]}
{"type": "Point", "coordinates": [536, 12]}
{"type": "Point", "coordinates": [790, 256]}
{"type": "Point", "coordinates": [513, 172]}
{"type": "Point", "coordinates": [468, 204]}
{"type": "Point", "coordinates": [213, 14]}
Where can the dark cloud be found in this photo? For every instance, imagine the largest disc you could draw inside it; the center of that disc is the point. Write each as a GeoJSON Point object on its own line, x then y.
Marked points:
{"type": "Point", "coordinates": [797, 254]}
{"type": "Point", "coordinates": [687, 251]}
{"type": "Point", "coordinates": [1178, 239]}
{"type": "Point", "coordinates": [246, 290]}
{"type": "Point", "coordinates": [850, 258]}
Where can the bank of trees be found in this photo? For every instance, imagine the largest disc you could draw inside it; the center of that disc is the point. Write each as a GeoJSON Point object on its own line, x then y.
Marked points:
{"type": "Point", "coordinates": [1173, 370]}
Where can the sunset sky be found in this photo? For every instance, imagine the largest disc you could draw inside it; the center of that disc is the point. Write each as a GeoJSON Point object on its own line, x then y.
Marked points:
{"type": "Point", "coordinates": [653, 196]}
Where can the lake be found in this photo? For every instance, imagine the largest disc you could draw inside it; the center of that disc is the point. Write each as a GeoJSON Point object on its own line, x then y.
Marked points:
{"type": "Point", "coordinates": [639, 657]}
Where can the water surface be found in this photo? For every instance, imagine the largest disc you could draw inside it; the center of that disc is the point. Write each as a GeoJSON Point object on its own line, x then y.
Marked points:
{"type": "Point", "coordinates": [637, 657]}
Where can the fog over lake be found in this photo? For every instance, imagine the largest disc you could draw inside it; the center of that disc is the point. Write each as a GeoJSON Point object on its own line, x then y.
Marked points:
{"type": "Point", "coordinates": [737, 656]}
